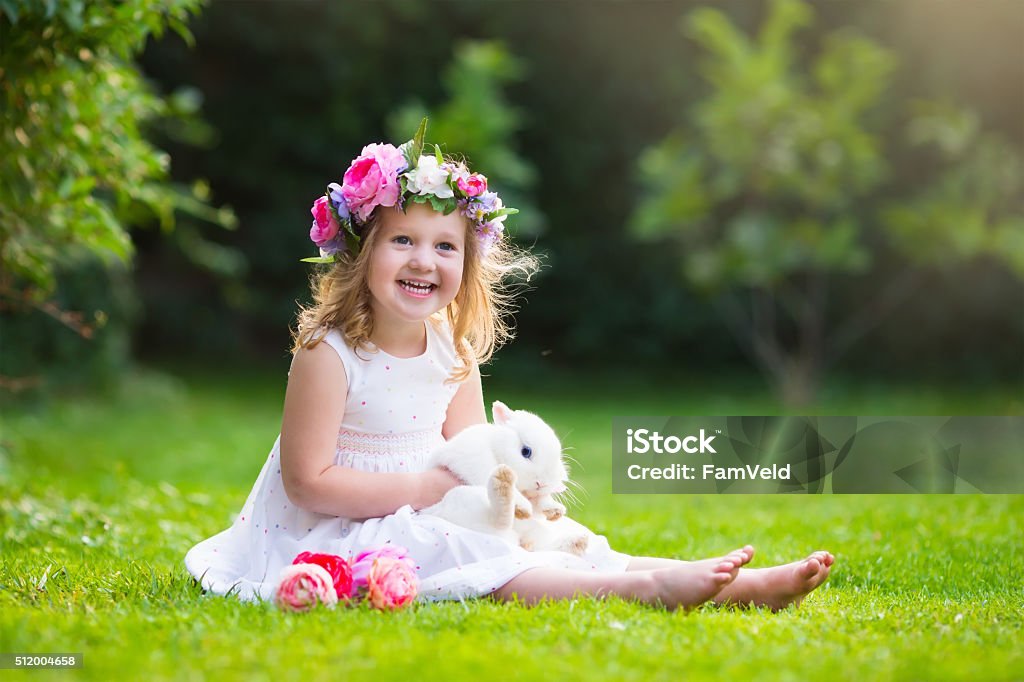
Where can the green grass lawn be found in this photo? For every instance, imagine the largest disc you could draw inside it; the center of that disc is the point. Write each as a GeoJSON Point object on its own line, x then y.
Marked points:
{"type": "Point", "coordinates": [100, 498]}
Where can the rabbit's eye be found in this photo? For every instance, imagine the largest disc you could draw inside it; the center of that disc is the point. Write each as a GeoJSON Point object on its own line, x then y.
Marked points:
{"type": "Point", "coordinates": [526, 452]}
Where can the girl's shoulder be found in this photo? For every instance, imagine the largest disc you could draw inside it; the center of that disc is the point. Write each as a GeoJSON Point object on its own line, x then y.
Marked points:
{"type": "Point", "coordinates": [331, 338]}
{"type": "Point", "coordinates": [443, 346]}
{"type": "Point", "coordinates": [440, 326]}
{"type": "Point", "coordinates": [334, 338]}
{"type": "Point", "coordinates": [356, 361]}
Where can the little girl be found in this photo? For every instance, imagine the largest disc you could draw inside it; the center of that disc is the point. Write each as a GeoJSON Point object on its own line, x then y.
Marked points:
{"type": "Point", "coordinates": [385, 369]}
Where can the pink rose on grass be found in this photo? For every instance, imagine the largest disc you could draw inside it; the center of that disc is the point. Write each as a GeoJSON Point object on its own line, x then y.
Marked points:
{"type": "Point", "coordinates": [363, 563]}
{"type": "Point", "coordinates": [372, 179]}
{"type": "Point", "coordinates": [473, 186]}
{"type": "Point", "coordinates": [303, 586]}
{"type": "Point", "coordinates": [391, 584]}
{"type": "Point", "coordinates": [325, 225]}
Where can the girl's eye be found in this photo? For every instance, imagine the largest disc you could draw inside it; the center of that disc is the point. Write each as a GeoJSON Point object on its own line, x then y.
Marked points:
{"type": "Point", "coordinates": [527, 452]}
{"type": "Point", "coordinates": [446, 246]}
{"type": "Point", "coordinates": [402, 239]}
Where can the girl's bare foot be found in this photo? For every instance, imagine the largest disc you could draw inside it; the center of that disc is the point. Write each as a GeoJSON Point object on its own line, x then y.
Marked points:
{"type": "Point", "coordinates": [745, 554]}
{"type": "Point", "coordinates": [690, 585]}
{"type": "Point", "coordinates": [779, 586]}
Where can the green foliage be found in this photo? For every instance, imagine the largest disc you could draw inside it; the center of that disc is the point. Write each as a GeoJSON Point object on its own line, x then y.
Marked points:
{"type": "Point", "coordinates": [75, 168]}
{"type": "Point", "coordinates": [477, 122]}
{"type": "Point", "coordinates": [77, 171]}
{"type": "Point", "coordinates": [51, 356]}
{"type": "Point", "coordinates": [769, 178]}
{"type": "Point", "coordinates": [764, 182]}
{"type": "Point", "coordinates": [412, 150]}
{"type": "Point", "coordinates": [974, 207]}
{"type": "Point", "coordinates": [785, 172]}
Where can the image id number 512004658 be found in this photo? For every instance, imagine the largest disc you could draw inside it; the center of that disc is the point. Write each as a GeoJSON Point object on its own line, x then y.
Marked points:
{"type": "Point", "coordinates": [26, 659]}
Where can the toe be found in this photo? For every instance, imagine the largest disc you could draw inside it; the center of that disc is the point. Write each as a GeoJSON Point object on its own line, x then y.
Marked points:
{"type": "Point", "coordinates": [824, 557]}
{"type": "Point", "coordinates": [721, 578]}
{"type": "Point", "coordinates": [808, 568]}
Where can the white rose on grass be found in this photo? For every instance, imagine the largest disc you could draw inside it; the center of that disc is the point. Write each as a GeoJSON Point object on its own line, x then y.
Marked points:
{"type": "Point", "coordinates": [429, 178]}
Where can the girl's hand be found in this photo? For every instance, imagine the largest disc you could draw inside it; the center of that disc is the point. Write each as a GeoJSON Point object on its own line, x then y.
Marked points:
{"type": "Point", "coordinates": [434, 484]}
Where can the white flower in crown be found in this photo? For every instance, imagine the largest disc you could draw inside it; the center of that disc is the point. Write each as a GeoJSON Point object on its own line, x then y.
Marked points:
{"type": "Point", "coordinates": [429, 178]}
{"type": "Point", "coordinates": [458, 171]}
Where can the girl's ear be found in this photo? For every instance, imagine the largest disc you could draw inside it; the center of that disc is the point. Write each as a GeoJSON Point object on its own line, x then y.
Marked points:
{"type": "Point", "coordinates": [500, 412]}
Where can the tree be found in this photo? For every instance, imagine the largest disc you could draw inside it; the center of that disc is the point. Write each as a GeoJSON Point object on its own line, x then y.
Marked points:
{"type": "Point", "coordinates": [76, 170]}
{"type": "Point", "coordinates": [781, 177]}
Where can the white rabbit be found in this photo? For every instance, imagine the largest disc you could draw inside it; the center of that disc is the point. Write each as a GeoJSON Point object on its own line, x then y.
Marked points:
{"type": "Point", "coordinates": [512, 469]}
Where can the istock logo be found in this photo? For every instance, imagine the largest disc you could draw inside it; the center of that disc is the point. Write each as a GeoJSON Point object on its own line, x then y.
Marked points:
{"type": "Point", "coordinates": [642, 441]}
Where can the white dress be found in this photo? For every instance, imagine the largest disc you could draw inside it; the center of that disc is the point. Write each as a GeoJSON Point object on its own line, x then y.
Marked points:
{"type": "Point", "coordinates": [394, 412]}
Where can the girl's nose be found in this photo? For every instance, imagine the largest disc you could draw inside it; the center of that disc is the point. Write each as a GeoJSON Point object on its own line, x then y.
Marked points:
{"type": "Point", "coordinates": [424, 262]}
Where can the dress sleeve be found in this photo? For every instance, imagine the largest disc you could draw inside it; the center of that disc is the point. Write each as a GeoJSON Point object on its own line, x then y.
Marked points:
{"type": "Point", "coordinates": [443, 349]}
{"type": "Point", "coordinates": [335, 340]}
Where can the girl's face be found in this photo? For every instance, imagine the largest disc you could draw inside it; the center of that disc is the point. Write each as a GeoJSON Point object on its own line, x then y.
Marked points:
{"type": "Point", "coordinates": [416, 263]}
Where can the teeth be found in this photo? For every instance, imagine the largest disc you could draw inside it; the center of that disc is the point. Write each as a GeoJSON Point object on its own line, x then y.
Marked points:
{"type": "Point", "coordinates": [416, 287]}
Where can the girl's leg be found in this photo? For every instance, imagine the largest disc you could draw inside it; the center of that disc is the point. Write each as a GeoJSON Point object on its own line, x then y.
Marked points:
{"type": "Point", "coordinates": [680, 585]}
{"type": "Point", "coordinates": [776, 587]}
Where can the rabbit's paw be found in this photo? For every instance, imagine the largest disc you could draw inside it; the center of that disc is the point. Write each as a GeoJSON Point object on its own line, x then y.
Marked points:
{"type": "Point", "coordinates": [523, 508]}
{"type": "Point", "coordinates": [501, 489]}
{"type": "Point", "coordinates": [575, 545]}
{"type": "Point", "coordinates": [502, 483]}
{"type": "Point", "coordinates": [553, 511]}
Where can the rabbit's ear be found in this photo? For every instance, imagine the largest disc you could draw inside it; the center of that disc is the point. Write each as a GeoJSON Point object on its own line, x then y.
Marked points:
{"type": "Point", "coordinates": [500, 412]}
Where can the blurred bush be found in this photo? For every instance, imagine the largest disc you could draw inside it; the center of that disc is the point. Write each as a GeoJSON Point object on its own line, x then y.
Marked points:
{"type": "Point", "coordinates": [76, 171]}
{"type": "Point", "coordinates": [776, 179]}
{"type": "Point", "coordinates": [43, 349]}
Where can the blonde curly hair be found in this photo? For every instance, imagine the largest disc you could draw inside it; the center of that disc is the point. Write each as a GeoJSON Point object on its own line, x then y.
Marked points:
{"type": "Point", "coordinates": [478, 315]}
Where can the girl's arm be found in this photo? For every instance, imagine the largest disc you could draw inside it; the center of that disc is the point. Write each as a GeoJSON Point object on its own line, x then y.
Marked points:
{"type": "Point", "coordinates": [466, 407]}
{"type": "Point", "coordinates": [313, 409]}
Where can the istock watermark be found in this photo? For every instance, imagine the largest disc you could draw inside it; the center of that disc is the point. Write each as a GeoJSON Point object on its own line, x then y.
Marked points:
{"type": "Point", "coordinates": [806, 455]}
{"type": "Point", "coordinates": [642, 441]}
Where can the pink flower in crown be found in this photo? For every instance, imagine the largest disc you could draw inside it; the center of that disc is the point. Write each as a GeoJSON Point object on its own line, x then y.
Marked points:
{"type": "Point", "coordinates": [479, 207]}
{"type": "Point", "coordinates": [325, 225]}
{"type": "Point", "coordinates": [473, 186]}
{"type": "Point", "coordinates": [303, 586]}
{"type": "Point", "coordinates": [363, 563]}
{"type": "Point", "coordinates": [372, 179]}
{"type": "Point", "coordinates": [489, 234]}
{"type": "Point", "coordinates": [391, 584]}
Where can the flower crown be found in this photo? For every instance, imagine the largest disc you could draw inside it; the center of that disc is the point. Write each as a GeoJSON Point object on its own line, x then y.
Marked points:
{"type": "Point", "coordinates": [383, 175]}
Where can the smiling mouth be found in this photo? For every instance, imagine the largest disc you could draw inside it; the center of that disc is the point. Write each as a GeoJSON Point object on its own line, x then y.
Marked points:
{"type": "Point", "coordinates": [416, 288]}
